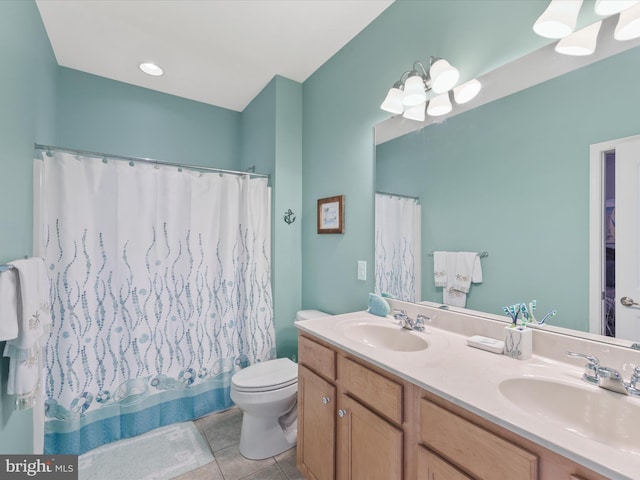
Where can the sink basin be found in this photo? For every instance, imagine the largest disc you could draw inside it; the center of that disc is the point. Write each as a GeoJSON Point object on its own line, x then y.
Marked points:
{"type": "Point", "coordinates": [388, 337]}
{"type": "Point", "coordinates": [587, 410]}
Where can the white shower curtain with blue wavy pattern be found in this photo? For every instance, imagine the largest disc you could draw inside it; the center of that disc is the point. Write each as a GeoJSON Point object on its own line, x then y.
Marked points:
{"type": "Point", "coordinates": [398, 247]}
{"type": "Point", "coordinates": [160, 289]}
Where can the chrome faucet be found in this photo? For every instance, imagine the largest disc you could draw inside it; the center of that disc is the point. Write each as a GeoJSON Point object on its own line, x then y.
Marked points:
{"type": "Point", "coordinates": [590, 369]}
{"type": "Point", "coordinates": [409, 324]}
{"type": "Point", "coordinates": [609, 378]}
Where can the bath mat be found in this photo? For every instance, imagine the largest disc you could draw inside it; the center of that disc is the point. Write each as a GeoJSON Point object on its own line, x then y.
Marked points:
{"type": "Point", "coordinates": [160, 454]}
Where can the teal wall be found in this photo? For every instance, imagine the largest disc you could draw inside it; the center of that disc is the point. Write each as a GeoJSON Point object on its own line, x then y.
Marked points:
{"type": "Point", "coordinates": [287, 260]}
{"type": "Point", "coordinates": [333, 149]}
{"type": "Point", "coordinates": [102, 115]}
{"type": "Point", "coordinates": [27, 109]}
{"type": "Point", "coordinates": [271, 140]}
{"type": "Point", "coordinates": [341, 106]}
{"type": "Point", "coordinates": [512, 177]}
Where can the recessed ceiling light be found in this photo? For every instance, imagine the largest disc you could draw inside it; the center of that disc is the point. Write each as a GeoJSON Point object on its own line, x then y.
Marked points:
{"type": "Point", "coordinates": [151, 69]}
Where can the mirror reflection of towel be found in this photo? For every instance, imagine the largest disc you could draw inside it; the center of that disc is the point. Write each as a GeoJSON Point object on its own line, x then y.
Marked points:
{"type": "Point", "coordinates": [467, 270]}
{"type": "Point", "coordinates": [459, 270]}
{"type": "Point", "coordinates": [440, 268]}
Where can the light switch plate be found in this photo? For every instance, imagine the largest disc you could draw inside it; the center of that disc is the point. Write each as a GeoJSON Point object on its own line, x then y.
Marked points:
{"type": "Point", "coordinates": [362, 270]}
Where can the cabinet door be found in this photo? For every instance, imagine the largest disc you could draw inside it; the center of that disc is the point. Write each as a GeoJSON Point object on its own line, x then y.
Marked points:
{"type": "Point", "coordinates": [316, 426]}
{"type": "Point", "coordinates": [483, 454]}
{"type": "Point", "coordinates": [369, 448]}
{"type": "Point", "coordinates": [432, 467]}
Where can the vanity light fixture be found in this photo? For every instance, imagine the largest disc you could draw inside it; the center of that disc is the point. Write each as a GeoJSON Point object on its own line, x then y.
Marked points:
{"type": "Point", "coordinates": [416, 112]}
{"type": "Point", "coordinates": [559, 21]}
{"type": "Point", "coordinates": [628, 26]}
{"type": "Point", "coordinates": [611, 7]}
{"type": "Point", "coordinates": [439, 105]}
{"type": "Point", "coordinates": [467, 91]}
{"type": "Point", "coordinates": [580, 43]}
{"type": "Point", "coordinates": [409, 96]}
{"type": "Point", "coordinates": [151, 69]}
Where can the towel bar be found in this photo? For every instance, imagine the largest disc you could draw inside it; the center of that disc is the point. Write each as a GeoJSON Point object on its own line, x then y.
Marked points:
{"type": "Point", "coordinates": [480, 254]}
{"type": "Point", "coordinates": [4, 268]}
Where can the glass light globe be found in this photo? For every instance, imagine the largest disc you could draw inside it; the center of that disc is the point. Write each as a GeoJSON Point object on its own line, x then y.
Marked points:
{"type": "Point", "coordinates": [439, 105]}
{"type": "Point", "coordinates": [443, 76]}
{"type": "Point", "coordinates": [416, 112]}
{"type": "Point", "coordinates": [580, 43]}
{"type": "Point", "coordinates": [467, 91]}
{"type": "Point", "coordinates": [414, 92]}
{"type": "Point", "coordinates": [610, 7]}
{"type": "Point", "coordinates": [628, 26]}
{"type": "Point", "coordinates": [559, 19]}
{"type": "Point", "coordinates": [393, 101]}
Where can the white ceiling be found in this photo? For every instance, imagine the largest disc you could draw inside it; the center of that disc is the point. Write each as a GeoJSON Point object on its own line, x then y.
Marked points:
{"type": "Point", "coordinates": [220, 52]}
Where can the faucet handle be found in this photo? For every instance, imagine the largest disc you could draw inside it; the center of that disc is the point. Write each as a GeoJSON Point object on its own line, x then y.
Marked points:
{"type": "Point", "coordinates": [634, 382]}
{"type": "Point", "coordinates": [399, 314]}
{"type": "Point", "coordinates": [591, 370]}
{"type": "Point", "coordinates": [419, 324]}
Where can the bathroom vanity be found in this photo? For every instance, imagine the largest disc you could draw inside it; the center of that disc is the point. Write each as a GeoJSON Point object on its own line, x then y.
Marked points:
{"type": "Point", "coordinates": [376, 405]}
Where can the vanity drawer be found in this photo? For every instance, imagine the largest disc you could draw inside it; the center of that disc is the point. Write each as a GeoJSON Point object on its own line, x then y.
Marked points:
{"type": "Point", "coordinates": [317, 357]}
{"type": "Point", "coordinates": [373, 389]}
{"type": "Point", "coordinates": [432, 467]}
{"type": "Point", "coordinates": [475, 450]}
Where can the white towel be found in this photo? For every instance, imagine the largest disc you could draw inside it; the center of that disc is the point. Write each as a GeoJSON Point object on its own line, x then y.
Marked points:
{"type": "Point", "coordinates": [467, 270]}
{"type": "Point", "coordinates": [451, 296]}
{"type": "Point", "coordinates": [34, 325]}
{"type": "Point", "coordinates": [440, 268]}
{"type": "Point", "coordinates": [8, 304]}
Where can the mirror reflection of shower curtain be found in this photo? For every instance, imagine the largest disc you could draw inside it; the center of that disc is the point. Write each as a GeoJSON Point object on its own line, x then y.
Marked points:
{"type": "Point", "coordinates": [397, 247]}
{"type": "Point", "coordinates": [160, 287]}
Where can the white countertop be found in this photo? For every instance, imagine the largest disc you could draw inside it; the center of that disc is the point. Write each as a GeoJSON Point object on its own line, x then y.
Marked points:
{"type": "Point", "coordinates": [470, 378]}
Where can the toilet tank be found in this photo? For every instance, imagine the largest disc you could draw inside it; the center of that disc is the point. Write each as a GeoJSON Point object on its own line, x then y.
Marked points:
{"type": "Point", "coordinates": [309, 314]}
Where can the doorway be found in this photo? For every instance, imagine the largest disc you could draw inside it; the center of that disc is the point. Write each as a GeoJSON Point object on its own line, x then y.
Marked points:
{"type": "Point", "coordinates": [614, 240]}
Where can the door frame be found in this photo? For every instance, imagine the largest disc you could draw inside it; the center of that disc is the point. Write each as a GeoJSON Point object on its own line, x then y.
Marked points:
{"type": "Point", "coordinates": [597, 229]}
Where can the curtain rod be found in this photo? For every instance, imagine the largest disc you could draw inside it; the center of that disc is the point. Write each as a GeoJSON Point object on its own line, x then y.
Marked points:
{"type": "Point", "coordinates": [399, 195]}
{"type": "Point", "coordinates": [148, 160]}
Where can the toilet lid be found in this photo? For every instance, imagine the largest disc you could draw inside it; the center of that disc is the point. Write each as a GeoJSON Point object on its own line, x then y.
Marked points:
{"type": "Point", "coordinates": [264, 376]}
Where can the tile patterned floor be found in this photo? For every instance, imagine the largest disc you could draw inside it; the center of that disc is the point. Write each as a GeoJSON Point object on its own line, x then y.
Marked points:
{"type": "Point", "coordinates": [222, 431]}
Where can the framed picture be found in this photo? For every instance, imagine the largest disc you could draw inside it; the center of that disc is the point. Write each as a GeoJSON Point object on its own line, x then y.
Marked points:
{"type": "Point", "coordinates": [331, 214]}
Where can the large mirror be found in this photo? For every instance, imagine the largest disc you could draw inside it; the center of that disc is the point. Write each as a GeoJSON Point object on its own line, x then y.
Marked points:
{"type": "Point", "coordinates": [512, 178]}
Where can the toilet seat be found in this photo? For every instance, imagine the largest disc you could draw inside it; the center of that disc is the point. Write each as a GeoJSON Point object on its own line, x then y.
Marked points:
{"type": "Point", "coordinates": [266, 376]}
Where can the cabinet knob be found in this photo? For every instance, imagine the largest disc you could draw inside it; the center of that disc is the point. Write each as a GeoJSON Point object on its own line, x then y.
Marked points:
{"type": "Point", "coordinates": [325, 400]}
{"type": "Point", "coordinates": [342, 413]}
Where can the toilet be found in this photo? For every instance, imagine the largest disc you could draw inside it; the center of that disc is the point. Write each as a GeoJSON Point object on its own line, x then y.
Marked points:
{"type": "Point", "coordinates": [267, 393]}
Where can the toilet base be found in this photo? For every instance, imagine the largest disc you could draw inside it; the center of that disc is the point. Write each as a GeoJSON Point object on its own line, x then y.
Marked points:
{"type": "Point", "coordinates": [272, 439]}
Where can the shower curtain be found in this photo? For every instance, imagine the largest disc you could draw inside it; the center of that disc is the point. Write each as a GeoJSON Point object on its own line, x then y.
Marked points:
{"type": "Point", "coordinates": [160, 289]}
{"type": "Point", "coordinates": [397, 247]}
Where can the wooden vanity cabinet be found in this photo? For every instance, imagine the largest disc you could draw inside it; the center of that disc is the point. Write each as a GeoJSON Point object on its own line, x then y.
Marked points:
{"type": "Point", "coordinates": [365, 437]}
{"type": "Point", "coordinates": [471, 448]}
{"type": "Point", "coordinates": [433, 467]}
{"type": "Point", "coordinates": [454, 444]}
{"type": "Point", "coordinates": [317, 402]}
{"type": "Point", "coordinates": [369, 429]}
{"type": "Point", "coordinates": [358, 422]}
{"type": "Point", "coordinates": [369, 447]}
{"type": "Point", "coordinates": [316, 426]}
